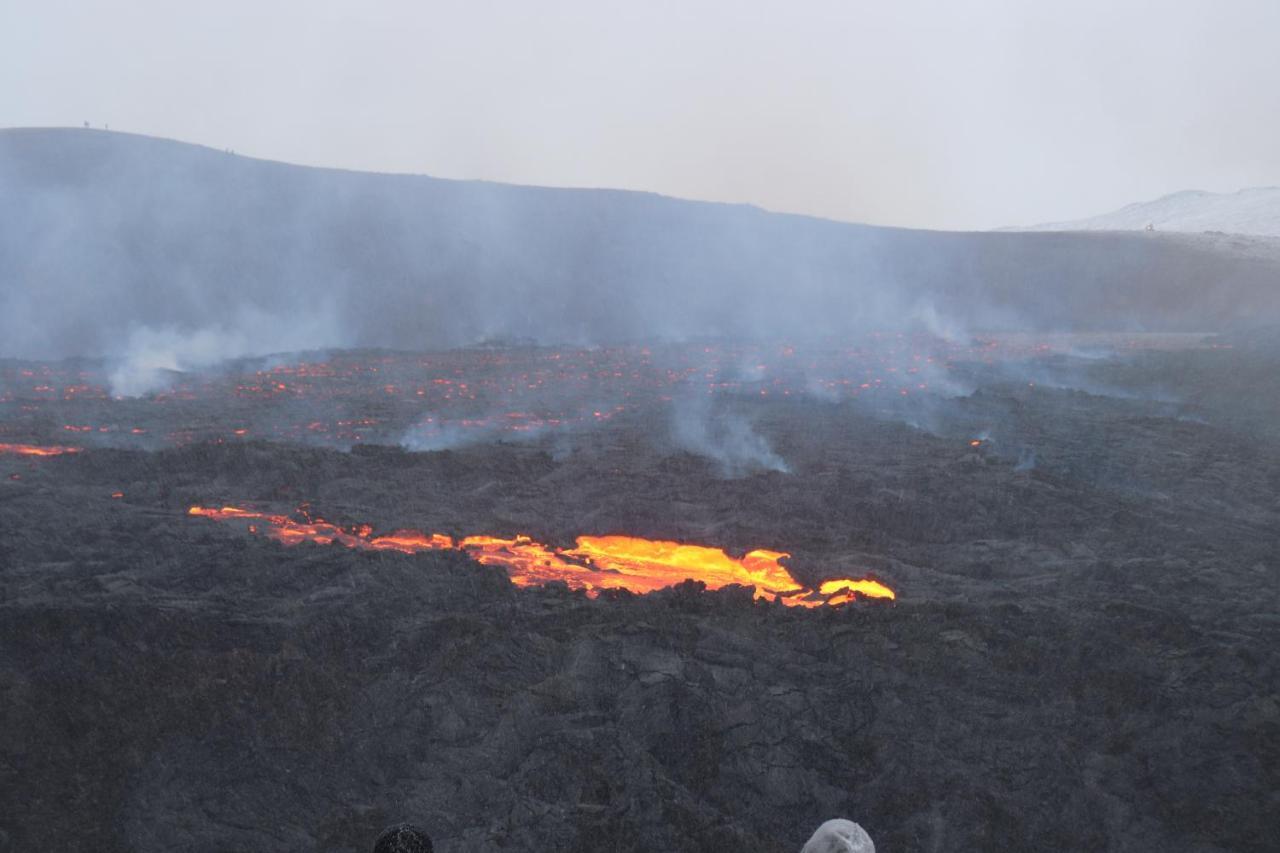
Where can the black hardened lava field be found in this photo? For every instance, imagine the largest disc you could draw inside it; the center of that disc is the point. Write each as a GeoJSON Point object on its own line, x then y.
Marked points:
{"type": "Point", "coordinates": [1008, 592]}
{"type": "Point", "coordinates": [579, 427]}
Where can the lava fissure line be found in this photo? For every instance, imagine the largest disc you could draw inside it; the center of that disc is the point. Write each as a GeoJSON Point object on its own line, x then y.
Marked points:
{"type": "Point", "coordinates": [37, 449]}
{"type": "Point", "coordinates": [594, 564]}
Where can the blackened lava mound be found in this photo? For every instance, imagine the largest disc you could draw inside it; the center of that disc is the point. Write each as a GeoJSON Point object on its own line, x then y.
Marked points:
{"type": "Point", "coordinates": [218, 693]}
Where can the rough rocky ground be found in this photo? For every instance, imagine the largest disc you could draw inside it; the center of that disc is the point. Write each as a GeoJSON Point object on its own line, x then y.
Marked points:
{"type": "Point", "coordinates": [1084, 654]}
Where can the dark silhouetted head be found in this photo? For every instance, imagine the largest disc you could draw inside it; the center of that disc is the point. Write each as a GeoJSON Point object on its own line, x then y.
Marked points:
{"type": "Point", "coordinates": [403, 838]}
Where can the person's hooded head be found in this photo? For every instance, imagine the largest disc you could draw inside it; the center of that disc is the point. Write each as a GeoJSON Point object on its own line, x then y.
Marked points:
{"type": "Point", "coordinates": [839, 836]}
{"type": "Point", "coordinates": [405, 838]}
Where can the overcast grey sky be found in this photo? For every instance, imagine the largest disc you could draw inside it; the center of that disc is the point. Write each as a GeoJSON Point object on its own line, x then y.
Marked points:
{"type": "Point", "coordinates": [944, 114]}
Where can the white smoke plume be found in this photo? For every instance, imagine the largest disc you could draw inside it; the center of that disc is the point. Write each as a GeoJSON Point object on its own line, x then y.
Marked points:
{"type": "Point", "coordinates": [722, 435]}
{"type": "Point", "coordinates": [153, 357]}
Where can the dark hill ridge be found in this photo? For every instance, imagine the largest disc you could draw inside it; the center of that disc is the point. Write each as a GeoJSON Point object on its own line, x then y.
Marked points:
{"type": "Point", "coordinates": [102, 233]}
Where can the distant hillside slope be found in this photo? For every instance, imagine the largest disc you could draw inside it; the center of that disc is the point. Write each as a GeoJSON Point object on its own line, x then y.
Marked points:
{"type": "Point", "coordinates": [111, 241]}
{"type": "Point", "coordinates": [1252, 211]}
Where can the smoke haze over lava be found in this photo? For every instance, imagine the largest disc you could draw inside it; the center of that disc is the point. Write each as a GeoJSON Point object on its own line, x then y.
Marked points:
{"type": "Point", "coordinates": [167, 256]}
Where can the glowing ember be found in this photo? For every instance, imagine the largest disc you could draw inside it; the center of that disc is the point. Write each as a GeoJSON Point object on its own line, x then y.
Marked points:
{"type": "Point", "coordinates": [845, 589]}
{"type": "Point", "coordinates": [436, 400]}
{"type": "Point", "coordinates": [595, 563]}
{"type": "Point", "coordinates": [37, 450]}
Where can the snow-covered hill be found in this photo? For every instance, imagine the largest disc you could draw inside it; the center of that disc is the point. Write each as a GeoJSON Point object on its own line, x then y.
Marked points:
{"type": "Point", "coordinates": [1251, 211]}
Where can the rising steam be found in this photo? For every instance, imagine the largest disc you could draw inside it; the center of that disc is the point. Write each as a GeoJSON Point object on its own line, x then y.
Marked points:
{"type": "Point", "coordinates": [154, 251]}
{"type": "Point", "coordinates": [153, 357]}
{"type": "Point", "coordinates": [723, 435]}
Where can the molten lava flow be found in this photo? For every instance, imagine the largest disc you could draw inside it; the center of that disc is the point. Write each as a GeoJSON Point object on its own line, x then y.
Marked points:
{"type": "Point", "coordinates": [37, 450]}
{"type": "Point", "coordinates": [595, 563]}
{"type": "Point", "coordinates": [648, 564]}
{"type": "Point", "coordinates": [848, 587]}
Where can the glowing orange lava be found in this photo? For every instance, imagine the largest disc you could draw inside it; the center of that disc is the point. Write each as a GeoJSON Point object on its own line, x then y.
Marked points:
{"type": "Point", "coordinates": [595, 563]}
{"type": "Point", "coordinates": [37, 450]}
